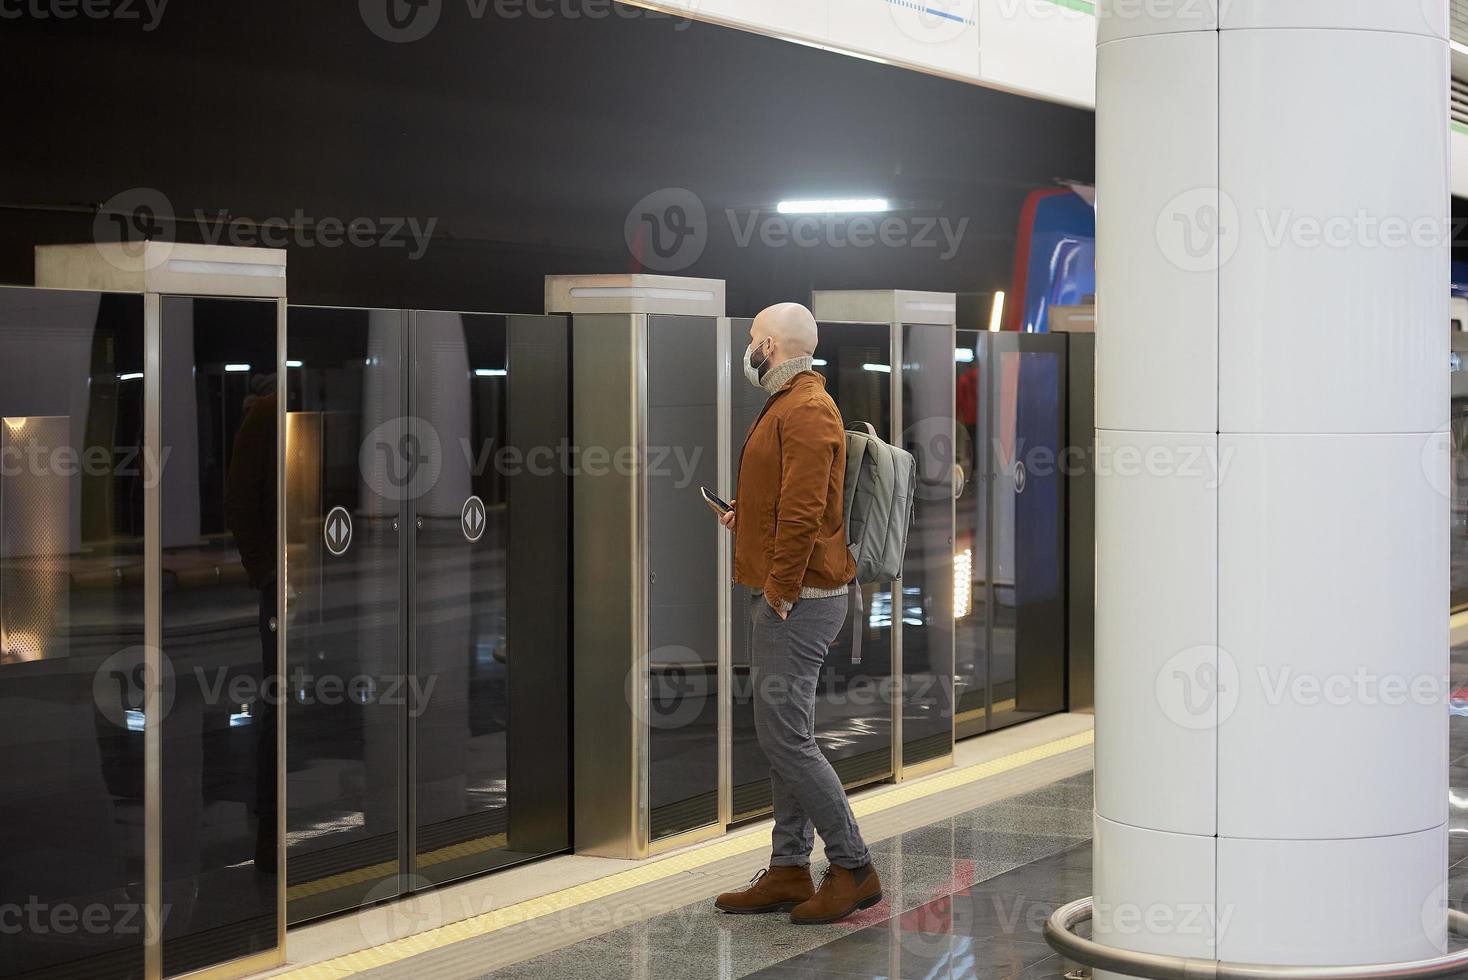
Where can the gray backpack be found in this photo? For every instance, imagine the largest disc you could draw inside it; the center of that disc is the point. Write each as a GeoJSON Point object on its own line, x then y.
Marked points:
{"type": "Point", "coordinates": [879, 490]}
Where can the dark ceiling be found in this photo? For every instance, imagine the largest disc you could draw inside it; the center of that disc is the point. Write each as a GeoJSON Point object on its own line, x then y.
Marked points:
{"type": "Point", "coordinates": [525, 139]}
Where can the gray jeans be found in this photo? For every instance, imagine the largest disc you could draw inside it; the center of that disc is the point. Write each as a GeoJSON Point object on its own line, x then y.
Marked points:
{"type": "Point", "coordinates": [785, 668]}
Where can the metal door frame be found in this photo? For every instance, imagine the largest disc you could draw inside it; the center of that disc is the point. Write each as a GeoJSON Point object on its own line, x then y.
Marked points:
{"type": "Point", "coordinates": [407, 638]}
{"type": "Point", "coordinates": [899, 597]}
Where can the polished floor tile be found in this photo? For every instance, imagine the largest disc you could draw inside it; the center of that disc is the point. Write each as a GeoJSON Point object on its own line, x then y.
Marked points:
{"type": "Point", "coordinates": [1038, 820]}
{"type": "Point", "coordinates": [938, 910]}
{"type": "Point", "coordinates": [700, 941]}
{"type": "Point", "coordinates": [994, 929]}
{"type": "Point", "coordinates": [1075, 793]}
{"type": "Point", "coordinates": [957, 840]}
{"type": "Point", "coordinates": [967, 897]}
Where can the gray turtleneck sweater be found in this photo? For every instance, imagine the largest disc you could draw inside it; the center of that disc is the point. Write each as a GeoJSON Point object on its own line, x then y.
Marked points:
{"type": "Point", "coordinates": [775, 379]}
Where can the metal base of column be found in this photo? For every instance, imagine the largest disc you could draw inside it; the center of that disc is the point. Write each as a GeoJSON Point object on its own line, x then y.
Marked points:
{"type": "Point", "coordinates": [1060, 934]}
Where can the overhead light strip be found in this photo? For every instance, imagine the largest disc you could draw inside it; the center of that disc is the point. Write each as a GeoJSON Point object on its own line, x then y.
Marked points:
{"type": "Point", "coordinates": [839, 205]}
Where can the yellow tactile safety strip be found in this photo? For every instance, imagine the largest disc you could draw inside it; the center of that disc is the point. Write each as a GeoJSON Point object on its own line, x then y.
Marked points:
{"type": "Point", "coordinates": [372, 872]}
{"type": "Point", "coordinates": [706, 854]}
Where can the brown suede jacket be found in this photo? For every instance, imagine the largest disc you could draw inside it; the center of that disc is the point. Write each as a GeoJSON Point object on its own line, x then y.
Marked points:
{"type": "Point", "coordinates": [790, 530]}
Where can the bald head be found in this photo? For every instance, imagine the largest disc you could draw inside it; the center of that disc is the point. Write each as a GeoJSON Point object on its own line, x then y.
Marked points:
{"type": "Point", "coordinates": [792, 329]}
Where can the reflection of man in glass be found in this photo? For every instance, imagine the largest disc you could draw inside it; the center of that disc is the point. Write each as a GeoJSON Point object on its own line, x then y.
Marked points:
{"type": "Point", "coordinates": [250, 512]}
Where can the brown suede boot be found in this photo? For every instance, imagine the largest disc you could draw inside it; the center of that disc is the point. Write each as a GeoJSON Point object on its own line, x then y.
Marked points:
{"type": "Point", "coordinates": [776, 890]}
{"type": "Point", "coordinates": [842, 893]}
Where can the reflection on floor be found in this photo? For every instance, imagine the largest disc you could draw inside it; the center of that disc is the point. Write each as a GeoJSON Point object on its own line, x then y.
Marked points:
{"type": "Point", "coordinates": [1458, 780]}
{"type": "Point", "coordinates": [967, 897]}
{"type": "Point", "coordinates": [964, 898]}
{"type": "Point", "coordinates": [991, 929]}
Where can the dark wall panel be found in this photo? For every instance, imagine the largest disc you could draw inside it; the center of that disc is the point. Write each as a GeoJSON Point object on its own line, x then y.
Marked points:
{"type": "Point", "coordinates": [527, 145]}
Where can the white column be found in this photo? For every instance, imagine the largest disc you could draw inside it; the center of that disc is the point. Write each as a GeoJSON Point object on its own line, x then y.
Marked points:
{"type": "Point", "coordinates": [1272, 518]}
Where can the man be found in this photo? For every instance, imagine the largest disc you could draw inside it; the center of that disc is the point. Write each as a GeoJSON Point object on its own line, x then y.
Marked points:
{"type": "Point", "coordinates": [790, 550]}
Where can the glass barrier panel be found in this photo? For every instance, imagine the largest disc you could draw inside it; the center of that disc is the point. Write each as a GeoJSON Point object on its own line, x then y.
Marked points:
{"type": "Point", "coordinates": [72, 470]}
{"type": "Point", "coordinates": [487, 576]}
{"type": "Point", "coordinates": [346, 670]}
{"type": "Point", "coordinates": [683, 587]}
{"type": "Point", "coordinates": [1458, 437]}
{"type": "Point", "coordinates": [853, 701]}
{"type": "Point", "coordinates": [750, 772]}
{"type": "Point", "coordinates": [1027, 574]}
{"type": "Point", "coordinates": [220, 567]}
{"type": "Point", "coordinates": [931, 569]}
{"type": "Point", "coordinates": [971, 537]}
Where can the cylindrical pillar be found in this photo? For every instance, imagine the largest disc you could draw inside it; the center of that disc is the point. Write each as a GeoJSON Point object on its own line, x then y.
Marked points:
{"type": "Point", "coordinates": [1272, 524]}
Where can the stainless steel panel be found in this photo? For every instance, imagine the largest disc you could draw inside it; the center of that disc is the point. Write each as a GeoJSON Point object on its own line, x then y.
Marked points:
{"type": "Point", "coordinates": [153, 640]}
{"type": "Point", "coordinates": [725, 570]}
{"type": "Point", "coordinates": [647, 608]}
{"type": "Point", "coordinates": [608, 591]}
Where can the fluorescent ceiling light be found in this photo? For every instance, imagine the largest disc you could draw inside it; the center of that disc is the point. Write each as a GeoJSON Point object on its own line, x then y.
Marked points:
{"type": "Point", "coordinates": [884, 368]}
{"type": "Point", "coordinates": [490, 372]}
{"type": "Point", "coordinates": [839, 205]}
{"type": "Point", "coordinates": [996, 313]}
{"type": "Point", "coordinates": [133, 376]}
{"type": "Point", "coordinates": [294, 364]}
{"type": "Point", "coordinates": [818, 362]}
{"type": "Point", "coordinates": [237, 368]}
{"type": "Point", "coordinates": [963, 355]}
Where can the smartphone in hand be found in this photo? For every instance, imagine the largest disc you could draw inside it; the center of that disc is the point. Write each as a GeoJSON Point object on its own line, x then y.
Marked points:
{"type": "Point", "coordinates": [715, 502]}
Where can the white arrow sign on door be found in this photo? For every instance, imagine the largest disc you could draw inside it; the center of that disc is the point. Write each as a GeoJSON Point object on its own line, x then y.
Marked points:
{"type": "Point", "coordinates": [338, 531]}
{"type": "Point", "coordinates": [472, 519]}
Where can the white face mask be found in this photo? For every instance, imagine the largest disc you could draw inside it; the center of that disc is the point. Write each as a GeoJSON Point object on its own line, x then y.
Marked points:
{"type": "Point", "coordinates": [752, 373]}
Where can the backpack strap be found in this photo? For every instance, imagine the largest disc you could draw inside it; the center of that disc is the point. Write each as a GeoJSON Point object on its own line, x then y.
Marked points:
{"type": "Point", "coordinates": [854, 462]}
{"type": "Point", "coordinates": [886, 481]}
